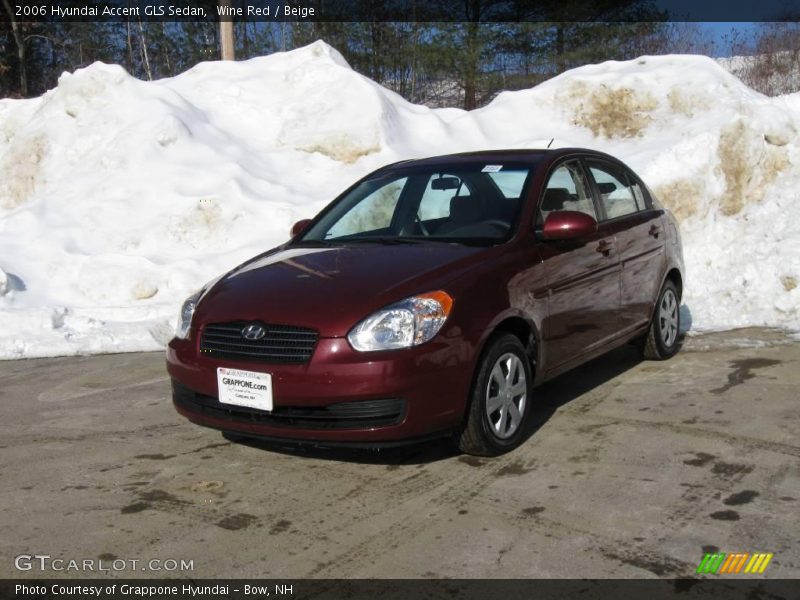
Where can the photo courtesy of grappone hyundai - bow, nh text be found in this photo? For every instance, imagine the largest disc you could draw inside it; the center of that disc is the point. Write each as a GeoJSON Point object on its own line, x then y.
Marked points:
{"type": "Point", "coordinates": [430, 299]}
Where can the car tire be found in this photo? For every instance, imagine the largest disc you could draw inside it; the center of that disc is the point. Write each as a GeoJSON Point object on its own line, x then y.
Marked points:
{"type": "Point", "coordinates": [661, 341]}
{"type": "Point", "coordinates": [499, 403]}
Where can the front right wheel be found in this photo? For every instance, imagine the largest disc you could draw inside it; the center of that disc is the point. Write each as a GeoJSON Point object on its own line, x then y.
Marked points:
{"type": "Point", "coordinates": [662, 338]}
{"type": "Point", "coordinates": [500, 399]}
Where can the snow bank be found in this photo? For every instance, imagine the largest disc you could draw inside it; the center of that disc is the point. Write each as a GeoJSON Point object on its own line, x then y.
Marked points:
{"type": "Point", "coordinates": [119, 197]}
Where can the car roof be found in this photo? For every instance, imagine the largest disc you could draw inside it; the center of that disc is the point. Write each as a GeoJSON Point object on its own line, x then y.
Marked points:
{"type": "Point", "coordinates": [523, 155]}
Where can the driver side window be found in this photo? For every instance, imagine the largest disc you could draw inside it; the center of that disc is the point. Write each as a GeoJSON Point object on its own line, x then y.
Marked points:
{"type": "Point", "coordinates": [567, 189]}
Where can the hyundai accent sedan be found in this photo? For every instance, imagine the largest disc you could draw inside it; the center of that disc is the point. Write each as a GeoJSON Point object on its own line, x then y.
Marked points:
{"type": "Point", "coordinates": [430, 299]}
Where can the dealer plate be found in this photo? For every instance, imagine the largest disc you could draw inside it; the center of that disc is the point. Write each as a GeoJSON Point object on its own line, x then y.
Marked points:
{"type": "Point", "coordinates": [245, 388]}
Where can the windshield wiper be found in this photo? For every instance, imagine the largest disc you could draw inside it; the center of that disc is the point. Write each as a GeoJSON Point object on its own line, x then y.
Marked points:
{"type": "Point", "coordinates": [312, 243]}
{"type": "Point", "coordinates": [397, 240]}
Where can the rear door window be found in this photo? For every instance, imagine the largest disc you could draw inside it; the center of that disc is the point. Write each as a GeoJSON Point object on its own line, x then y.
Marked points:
{"type": "Point", "coordinates": [618, 196]}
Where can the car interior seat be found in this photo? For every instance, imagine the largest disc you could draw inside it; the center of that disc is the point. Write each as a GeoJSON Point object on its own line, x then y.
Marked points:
{"type": "Point", "coordinates": [464, 211]}
{"type": "Point", "coordinates": [554, 199]}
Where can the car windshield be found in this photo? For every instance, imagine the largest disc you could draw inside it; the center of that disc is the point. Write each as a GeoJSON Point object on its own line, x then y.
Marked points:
{"type": "Point", "coordinates": [447, 203]}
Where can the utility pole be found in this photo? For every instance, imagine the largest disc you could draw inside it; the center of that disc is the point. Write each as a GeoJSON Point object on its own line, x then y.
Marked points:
{"type": "Point", "coordinates": [226, 31]}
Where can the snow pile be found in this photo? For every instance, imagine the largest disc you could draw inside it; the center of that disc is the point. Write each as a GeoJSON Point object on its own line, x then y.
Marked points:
{"type": "Point", "coordinates": [120, 197]}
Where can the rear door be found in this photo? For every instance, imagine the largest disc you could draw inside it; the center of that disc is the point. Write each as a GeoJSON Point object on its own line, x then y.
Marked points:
{"type": "Point", "coordinates": [627, 211]}
{"type": "Point", "coordinates": [582, 275]}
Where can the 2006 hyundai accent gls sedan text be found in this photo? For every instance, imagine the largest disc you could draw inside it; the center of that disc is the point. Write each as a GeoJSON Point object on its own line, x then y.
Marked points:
{"type": "Point", "coordinates": [431, 298]}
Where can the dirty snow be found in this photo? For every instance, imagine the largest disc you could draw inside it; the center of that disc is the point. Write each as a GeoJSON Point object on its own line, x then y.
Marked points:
{"type": "Point", "coordinates": [119, 197]}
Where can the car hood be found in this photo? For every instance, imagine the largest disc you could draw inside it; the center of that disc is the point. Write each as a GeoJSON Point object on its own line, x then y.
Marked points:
{"type": "Point", "coordinates": [330, 289]}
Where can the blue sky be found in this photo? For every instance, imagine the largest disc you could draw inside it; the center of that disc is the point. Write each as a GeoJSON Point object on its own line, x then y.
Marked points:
{"type": "Point", "coordinates": [719, 30]}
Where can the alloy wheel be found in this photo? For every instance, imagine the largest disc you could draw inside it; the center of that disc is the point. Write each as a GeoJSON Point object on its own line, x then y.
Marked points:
{"type": "Point", "coordinates": [668, 318]}
{"type": "Point", "coordinates": [506, 395]}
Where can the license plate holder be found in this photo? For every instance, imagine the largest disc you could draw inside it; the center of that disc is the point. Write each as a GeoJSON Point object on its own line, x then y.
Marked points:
{"type": "Point", "coordinates": [250, 389]}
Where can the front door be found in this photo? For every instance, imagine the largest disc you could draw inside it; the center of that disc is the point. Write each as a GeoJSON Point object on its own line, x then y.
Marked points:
{"type": "Point", "coordinates": [583, 276]}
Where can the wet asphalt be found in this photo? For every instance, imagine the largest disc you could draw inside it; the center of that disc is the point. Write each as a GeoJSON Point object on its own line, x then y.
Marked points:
{"type": "Point", "coordinates": [632, 469]}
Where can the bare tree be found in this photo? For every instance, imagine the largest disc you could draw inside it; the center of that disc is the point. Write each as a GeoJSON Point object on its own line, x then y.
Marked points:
{"type": "Point", "coordinates": [145, 57]}
{"type": "Point", "coordinates": [770, 61]}
{"type": "Point", "coordinates": [20, 43]}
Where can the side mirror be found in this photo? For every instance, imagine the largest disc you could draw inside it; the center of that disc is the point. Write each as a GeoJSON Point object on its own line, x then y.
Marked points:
{"type": "Point", "coordinates": [299, 227]}
{"type": "Point", "coordinates": [568, 225]}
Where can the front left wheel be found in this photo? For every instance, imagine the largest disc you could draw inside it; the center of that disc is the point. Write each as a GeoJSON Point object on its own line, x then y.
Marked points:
{"type": "Point", "coordinates": [500, 399]}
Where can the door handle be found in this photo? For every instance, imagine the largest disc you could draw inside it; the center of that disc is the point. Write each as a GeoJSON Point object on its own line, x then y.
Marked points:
{"type": "Point", "coordinates": [654, 231]}
{"type": "Point", "coordinates": [604, 248]}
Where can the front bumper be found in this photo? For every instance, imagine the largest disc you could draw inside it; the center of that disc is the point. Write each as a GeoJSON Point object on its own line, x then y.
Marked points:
{"type": "Point", "coordinates": [339, 396]}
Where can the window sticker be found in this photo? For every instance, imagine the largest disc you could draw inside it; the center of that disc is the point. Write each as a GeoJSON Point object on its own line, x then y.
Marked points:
{"type": "Point", "coordinates": [491, 168]}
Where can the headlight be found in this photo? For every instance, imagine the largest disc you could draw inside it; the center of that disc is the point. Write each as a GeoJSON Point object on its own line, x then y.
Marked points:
{"type": "Point", "coordinates": [185, 316]}
{"type": "Point", "coordinates": [407, 323]}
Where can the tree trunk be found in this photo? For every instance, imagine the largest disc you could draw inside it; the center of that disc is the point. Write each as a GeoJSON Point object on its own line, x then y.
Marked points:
{"type": "Point", "coordinates": [165, 35]}
{"type": "Point", "coordinates": [145, 57]}
{"type": "Point", "coordinates": [20, 43]}
{"type": "Point", "coordinates": [560, 62]}
{"type": "Point", "coordinates": [471, 66]}
{"type": "Point", "coordinates": [130, 47]}
{"type": "Point", "coordinates": [414, 49]}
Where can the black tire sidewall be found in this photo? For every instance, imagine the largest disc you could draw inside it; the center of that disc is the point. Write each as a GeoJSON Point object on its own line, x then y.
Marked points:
{"type": "Point", "coordinates": [501, 345]}
{"type": "Point", "coordinates": [663, 350]}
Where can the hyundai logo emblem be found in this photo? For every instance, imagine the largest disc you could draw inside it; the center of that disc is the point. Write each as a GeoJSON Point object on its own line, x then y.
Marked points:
{"type": "Point", "coordinates": [254, 331]}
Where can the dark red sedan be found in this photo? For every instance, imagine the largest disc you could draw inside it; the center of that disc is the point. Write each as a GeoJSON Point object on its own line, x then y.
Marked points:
{"type": "Point", "coordinates": [430, 299]}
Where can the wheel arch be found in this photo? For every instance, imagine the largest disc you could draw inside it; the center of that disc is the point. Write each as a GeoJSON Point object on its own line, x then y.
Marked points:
{"type": "Point", "coordinates": [472, 437]}
{"type": "Point", "coordinates": [674, 275]}
{"type": "Point", "coordinates": [522, 328]}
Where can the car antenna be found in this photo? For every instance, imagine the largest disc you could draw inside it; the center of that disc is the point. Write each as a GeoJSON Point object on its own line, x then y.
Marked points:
{"type": "Point", "coordinates": [551, 142]}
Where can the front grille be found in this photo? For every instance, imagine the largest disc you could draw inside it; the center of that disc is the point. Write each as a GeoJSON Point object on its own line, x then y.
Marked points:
{"type": "Point", "coordinates": [281, 344]}
{"type": "Point", "coordinates": [362, 414]}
